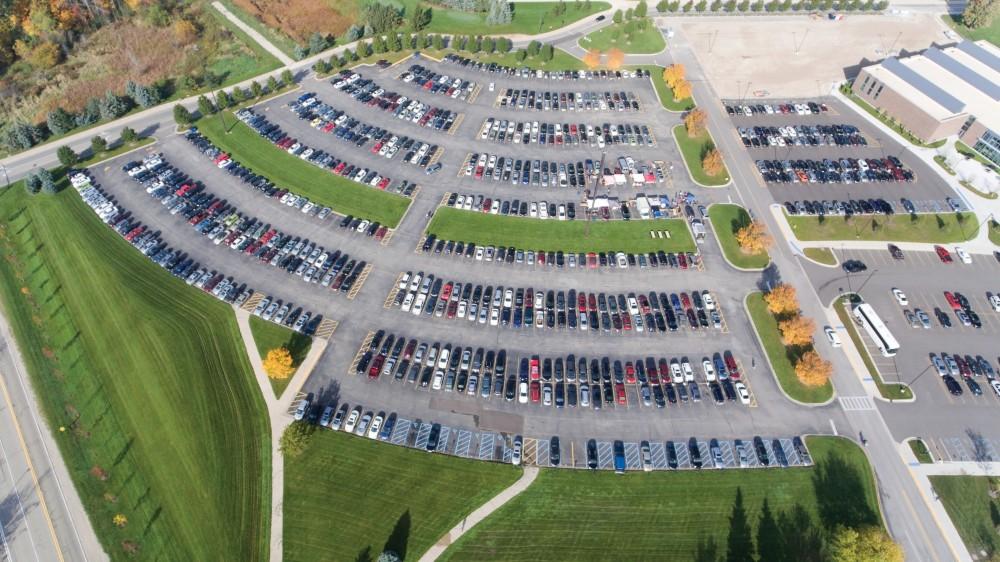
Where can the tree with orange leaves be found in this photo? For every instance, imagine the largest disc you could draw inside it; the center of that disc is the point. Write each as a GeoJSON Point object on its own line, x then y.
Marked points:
{"type": "Point", "coordinates": [754, 239]}
{"type": "Point", "coordinates": [781, 299]}
{"type": "Point", "coordinates": [592, 59]}
{"type": "Point", "coordinates": [615, 59]}
{"type": "Point", "coordinates": [694, 122]}
{"type": "Point", "coordinates": [672, 74]}
{"type": "Point", "coordinates": [682, 90]}
{"type": "Point", "coordinates": [797, 330]}
{"type": "Point", "coordinates": [813, 370]}
{"type": "Point", "coordinates": [712, 162]}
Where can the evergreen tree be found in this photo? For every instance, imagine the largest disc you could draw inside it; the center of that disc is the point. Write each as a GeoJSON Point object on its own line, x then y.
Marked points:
{"type": "Point", "coordinates": [128, 135]}
{"type": "Point", "coordinates": [32, 183]}
{"type": "Point", "coordinates": [66, 156]}
{"type": "Point", "coordinates": [90, 113]}
{"type": "Point", "coordinates": [182, 116]}
{"type": "Point", "coordinates": [205, 107]}
{"type": "Point", "coordinates": [48, 183]}
{"type": "Point", "coordinates": [98, 145]}
{"type": "Point", "coordinates": [60, 121]}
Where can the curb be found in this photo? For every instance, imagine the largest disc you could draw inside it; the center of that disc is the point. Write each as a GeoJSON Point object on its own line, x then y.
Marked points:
{"type": "Point", "coordinates": [673, 133]}
{"type": "Point", "coordinates": [836, 260]}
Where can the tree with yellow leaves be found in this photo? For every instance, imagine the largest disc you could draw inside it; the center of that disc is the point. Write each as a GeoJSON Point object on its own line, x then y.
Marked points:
{"type": "Point", "coordinates": [782, 299]}
{"type": "Point", "coordinates": [592, 59]}
{"type": "Point", "coordinates": [712, 162]}
{"type": "Point", "coordinates": [673, 74]}
{"type": "Point", "coordinates": [869, 544]}
{"type": "Point", "coordinates": [682, 90]}
{"type": "Point", "coordinates": [797, 330]}
{"type": "Point", "coordinates": [813, 370]}
{"type": "Point", "coordinates": [615, 59]}
{"type": "Point", "coordinates": [119, 520]}
{"type": "Point", "coordinates": [694, 122]}
{"type": "Point", "coordinates": [185, 31]}
{"type": "Point", "coordinates": [754, 239]}
{"type": "Point", "coordinates": [278, 363]}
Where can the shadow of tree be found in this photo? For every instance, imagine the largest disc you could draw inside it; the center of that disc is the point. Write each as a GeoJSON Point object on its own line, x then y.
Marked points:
{"type": "Point", "coordinates": [840, 495]}
{"type": "Point", "coordinates": [739, 543]}
{"type": "Point", "coordinates": [706, 550]}
{"type": "Point", "coordinates": [400, 536]}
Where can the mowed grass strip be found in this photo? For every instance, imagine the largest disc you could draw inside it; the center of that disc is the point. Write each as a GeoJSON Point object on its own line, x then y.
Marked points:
{"type": "Point", "coordinates": [529, 18]}
{"type": "Point", "coordinates": [727, 220]}
{"type": "Point", "coordinates": [677, 516]}
{"type": "Point", "coordinates": [268, 335]}
{"type": "Point", "coordinates": [344, 196]}
{"type": "Point", "coordinates": [694, 149]}
{"type": "Point", "coordinates": [781, 357]}
{"type": "Point", "coordinates": [821, 255]}
{"type": "Point", "coordinates": [927, 228]}
{"type": "Point", "coordinates": [970, 507]}
{"type": "Point", "coordinates": [643, 42]}
{"type": "Point", "coordinates": [164, 421]}
{"type": "Point", "coordinates": [348, 498]}
{"type": "Point", "coordinates": [554, 235]}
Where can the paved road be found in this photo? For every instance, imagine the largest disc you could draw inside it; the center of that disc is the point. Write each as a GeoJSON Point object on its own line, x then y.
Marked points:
{"type": "Point", "coordinates": [41, 516]}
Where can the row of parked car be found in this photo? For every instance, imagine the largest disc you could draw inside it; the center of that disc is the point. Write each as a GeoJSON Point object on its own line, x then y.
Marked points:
{"type": "Point", "coordinates": [524, 72]}
{"type": "Point", "coordinates": [801, 135]}
{"type": "Point", "coordinates": [505, 131]}
{"type": "Point", "coordinates": [574, 174]}
{"type": "Point", "coordinates": [836, 207]}
{"type": "Point", "coordinates": [520, 307]}
{"type": "Point", "coordinates": [368, 92]}
{"type": "Point", "coordinates": [338, 123]}
{"type": "Point", "coordinates": [799, 108]}
{"type": "Point", "coordinates": [538, 100]}
{"type": "Point", "coordinates": [437, 83]}
{"type": "Point", "coordinates": [560, 382]}
{"type": "Point", "coordinates": [951, 367]}
{"type": "Point", "coordinates": [226, 225]}
{"type": "Point", "coordinates": [533, 209]}
{"type": "Point", "coordinates": [320, 158]}
{"type": "Point", "coordinates": [846, 170]}
{"type": "Point", "coordinates": [560, 259]}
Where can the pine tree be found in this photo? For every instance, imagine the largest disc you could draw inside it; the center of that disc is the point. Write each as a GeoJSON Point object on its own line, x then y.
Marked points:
{"type": "Point", "coordinates": [60, 121]}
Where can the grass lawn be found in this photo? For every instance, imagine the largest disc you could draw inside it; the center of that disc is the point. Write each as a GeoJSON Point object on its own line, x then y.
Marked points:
{"type": "Point", "coordinates": [944, 164]}
{"type": "Point", "coordinates": [268, 336]}
{"type": "Point", "coordinates": [727, 220]}
{"type": "Point", "coordinates": [927, 228]}
{"type": "Point", "coordinates": [895, 126]}
{"type": "Point", "coordinates": [644, 41]}
{"type": "Point", "coordinates": [821, 255]}
{"type": "Point", "coordinates": [995, 232]}
{"type": "Point", "coordinates": [568, 236]}
{"type": "Point", "coordinates": [664, 93]}
{"type": "Point", "coordinates": [344, 196]}
{"type": "Point", "coordinates": [920, 451]}
{"type": "Point", "coordinates": [892, 391]}
{"type": "Point", "coordinates": [975, 515]}
{"type": "Point", "coordinates": [678, 516]}
{"type": "Point", "coordinates": [241, 67]}
{"type": "Point", "coordinates": [990, 33]}
{"type": "Point", "coordinates": [781, 357]}
{"type": "Point", "coordinates": [693, 149]}
{"type": "Point", "coordinates": [348, 498]}
{"type": "Point", "coordinates": [163, 419]}
{"type": "Point", "coordinates": [530, 18]}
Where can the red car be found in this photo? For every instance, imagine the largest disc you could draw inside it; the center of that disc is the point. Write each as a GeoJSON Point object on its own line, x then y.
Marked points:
{"type": "Point", "coordinates": [943, 254]}
{"type": "Point", "coordinates": [952, 301]}
{"type": "Point", "coordinates": [536, 391]}
{"type": "Point", "coordinates": [731, 366]}
{"type": "Point", "coordinates": [376, 367]}
{"type": "Point", "coordinates": [620, 394]}
{"type": "Point", "coordinates": [592, 260]}
{"type": "Point", "coordinates": [533, 370]}
{"type": "Point", "coordinates": [629, 372]}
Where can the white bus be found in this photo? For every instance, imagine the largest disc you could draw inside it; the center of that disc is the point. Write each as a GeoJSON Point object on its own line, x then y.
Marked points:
{"type": "Point", "coordinates": [881, 335]}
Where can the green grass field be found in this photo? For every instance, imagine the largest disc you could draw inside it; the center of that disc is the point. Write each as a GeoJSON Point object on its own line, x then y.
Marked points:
{"type": "Point", "coordinates": [240, 67]}
{"type": "Point", "coordinates": [664, 93]}
{"type": "Point", "coordinates": [530, 18]}
{"type": "Point", "coordinates": [892, 391]}
{"type": "Point", "coordinates": [693, 150]}
{"type": "Point", "coordinates": [268, 336]}
{"type": "Point", "coordinates": [163, 419]}
{"type": "Point", "coordinates": [920, 451]}
{"type": "Point", "coordinates": [821, 255]}
{"type": "Point", "coordinates": [679, 516]}
{"type": "Point", "coordinates": [552, 235]}
{"type": "Point", "coordinates": [975, 515]}
{"type": "Point", "coordinates": [340, 194]}
{"type": "Point", "coordinates": [644, 41]}
{"type": "Point", "coordinates": [348, 498]}
{"type": "Point", "coordinates": [782, 358]}
{"type": "Point", "coordinates": [990, 33]}
{"type": "Point", "coordinates": [927, 228]}
{"type": "Point", "coordinates": [727, 220]}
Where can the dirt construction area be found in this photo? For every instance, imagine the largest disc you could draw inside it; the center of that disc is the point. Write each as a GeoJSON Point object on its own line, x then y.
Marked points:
{"type": "Point", "coordinates": [800, 56]}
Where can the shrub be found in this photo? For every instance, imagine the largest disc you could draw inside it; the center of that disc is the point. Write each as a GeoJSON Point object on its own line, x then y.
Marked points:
{"type": "Point", "coordinates": [67, 157]}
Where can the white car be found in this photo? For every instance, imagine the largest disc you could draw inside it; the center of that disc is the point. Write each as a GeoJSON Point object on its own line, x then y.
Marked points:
{"type": "Point", "coordinates": [352, 420]}
{"type": "Point", "coordinates": [996, 387]}
{"type": "Point", "coordinates": [363, 424]}
{"type": "Point", "coordinates": [709, 370]}
{"type": "Point", "coordinates": [522, 393]}
{"type": "Point", "coordinates": [375, 427]}
{"type": "Point", "coordinates": [515, 457]}
{"type": "Point", "coordinates": [744, 394]}
{"type": "Point", "coordinates": [963, 255]}
{"type": "Point", "coordinates": [832, 336]}
{"type": "Point", "coordinates": [995, 302]}
{"type": "Point", "coordinates": [900, 297]}
{"type": "Point", "coordinates": [300, 411]}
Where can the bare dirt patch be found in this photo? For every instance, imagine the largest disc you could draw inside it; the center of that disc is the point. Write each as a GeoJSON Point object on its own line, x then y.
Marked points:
{"type": "Point", "coordinates": [299, 19]}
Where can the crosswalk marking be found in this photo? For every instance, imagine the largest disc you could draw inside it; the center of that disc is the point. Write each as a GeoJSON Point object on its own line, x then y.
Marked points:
{"type": "Point", "coordinates": [856, 403]}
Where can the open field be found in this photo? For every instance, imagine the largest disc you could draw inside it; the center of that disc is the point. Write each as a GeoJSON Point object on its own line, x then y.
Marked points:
{"type": "Point", "coordinates": [149, 378]}
{"type": "Point", "coordinates": [644, 41]}
{"type": "Point", "coordinates": [344, 196]}
{"type": "Point", "coordinates": [782, 358]}
{"type": "Point", "coordinates": [530, 18]}
{"type": "Point", "coordinates": [821, 255]}
{"type": "Point", "coordinates": [727, 220]}
{"type": "Point", "coordinates": [892, 391]}
{"type": "Point", "coordinates": [974, 513]}
{"type": "Point", "coordinates": [349, 497]}
{"type": "Point", "coordinates": [693, 149]}
{"type": "Point", "coordinates": [568, 236]}
{"type": "Point", "coordinates": [572, 514]}
{"type": "Point", "coordinates": [937, 229]}
{"type": "Point", "coordinates": [268, 336]}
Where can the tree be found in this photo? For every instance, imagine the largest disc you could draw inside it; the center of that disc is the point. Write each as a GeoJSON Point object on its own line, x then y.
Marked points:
{"type": "Point", "coordinates": [239, 94]}
{"type": "Point", "coordinates": [629, 13]}
{"type": "Point", "coordinates": [548, 51]}
{"type": "Point", "coordinates": [672, 74]}
{"type": "Point", "coordinates": [388, 556]}
{"type": "Point", "coordinates": [182, 116]}
{"type": "Point", "coordinates": [272, 84]}
{"type": "Point", "coordinates": [32, 183]}
{"type": "Point", "coordinates": [256, 89]}
{"type": "Point", "coordinates": [295, 439]}
{"type": "Point", "coordinates": [98, 145]}
{"type": "Point", "coordinates": [438, 42]}
{"type": "Point", "coordinates": [185, 32]}
{"type": "Point", "coordinates": [143, 96]}
{"type": "Point", "coordinates": [119, 520]}
{"type": "Point", "coordinates": [60, 121]}
{"type": "Point", "coordinates": [617, 17]}
{"type": "Point", "coordinates": [521, 55]}
{"type": "Point", "coordinates": [278, 363]}
{"type": "Point", "coordinates": [813, 370]}
{"type": "Point", "coordinates": [504, 45]}
{"type": "Point", "coordinates": [67, 157]}
{"type": "Point", "coordinates": [381, 17]}
{"type": "Point", "coordinates": [89, 114]}
{"type": "Point", "coordinates": [797, 330]}
{"type": "Point", "coordinates": [615, 58]}
{"type": "Point", "coordinates": [23, 135]}
{"type": "Point", "coordinates": [205, 107]}
{"type": "Point", "coordinates": [979, 13]}
{"type": "Point", "coordinates": [869, 544]}
{"type": "Point", "coordinates": [318, 43]}
{"type": "Point", "coordinates": [419, 18]}
{"type": "Point", "coordinates": [694, 122]}
{"type": "Point", "coordinates": [112, 106]}
{"type": "Point", "coordinates": [682, 90]}
{"type": "Point", "coordinates": [781, 299]}
{"type": "Point", "coordinates": [321, 67]}
{"type": "Point", "coordinates": [533, 48]}
{"type": "Point", "coordinates": [287, 78]}
{"type": "Point", "coordinates": [753, 238]}
{"type": "Point", "coordinates": [641, 9]}
{"type": "Point", "coordinates": [592, 59]}
{"type": "Point", "coordinates": [48, 182]}
{"type": "Point", "coordinates": [129, 135]}
{"type": "Point", "coordinates": [712, 162]}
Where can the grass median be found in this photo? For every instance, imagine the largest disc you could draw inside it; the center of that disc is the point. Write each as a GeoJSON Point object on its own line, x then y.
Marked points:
{"type": "Point", "coordinates": [645, 41]}
{"type": "Point", "coordinates": [664, 92]}
{"type": "Point", "coordinates": [159, 416]}
{"type": "Point", "coordinates": [529, 18]}
{"type": "Point", "coordinates": [821, 255]}
{"type": "Point", "coordinates": [973, 511]}
{"type": "Point", "coordinates": [553, 235]}
{"type": "Point", "coordinates": [925, 227]}
{"type": "Point", "coordinates": [344, 196]}
{"type": "Point", "coordinates": [684, 515]}
{"type": "Point", "coordinates": [350, 498]}
{"type": "Point", "coordinates": [727, 219]}
{"type": "Point", "coordinates": [891, 391]}
{"type": "Point", "coordinates": [694, 149]}
{"type": "Point", "coordinates": [268, 335]}
{"type": "Point", "coordinates": [783, 358]}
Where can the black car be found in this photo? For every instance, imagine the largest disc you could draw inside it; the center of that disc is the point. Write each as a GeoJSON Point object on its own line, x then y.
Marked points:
{"type": "Point", "coordinates": [592, 454]}
{"type": "Point", "coordinates": [895, 252]}
{"type": "Point", "coordinates": [758, 445]}
{"type": "Point", "coordinates": [432, 439]}
{"type": "Point", "coordinates": [554, 451]}
{"type": "Point", "coordinates": [671, 455]}
{"type": "Point", "coordinates": [854, 266]}
{"type": "Point", "coordinates": [695, 453]}
{"type": "Point", "coordinates": [953, 387]}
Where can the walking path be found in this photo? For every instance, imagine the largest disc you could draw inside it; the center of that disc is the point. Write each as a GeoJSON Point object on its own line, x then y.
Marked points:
{"type": "Point", "coordinates": [260, 39]}
{"type": "Point", "coordinates": [484, 511]}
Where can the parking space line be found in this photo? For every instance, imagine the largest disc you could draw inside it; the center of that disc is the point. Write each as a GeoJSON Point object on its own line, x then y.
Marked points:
{"type": "Point", "coordinates": [604, 456]}
{"type": "Point", "coordinates": [706, 457]}
{"type": "Point", "coordinates": [463, 442]}
{"type": "Point", "coordinates": [361, 281]}
{"type": "Point", "coordinates": [790, 453]}
{"type": "Point", "coordinates": [252, 302]}
{"type": "Point", "coordinates": [728, 454]}
{"type": "Point", "coordinates": [542, 452]}
{"type": "Point", "coordinates": [529, 452]}
{"type": "Point", "coordinates": [487, 446]}
{"type": "Point", "coordinates": [390, 299]}
{"type": "Point", "coordinates": [352, 369]}
{"type": "Point", "coordinates": [658, 454]}
{"type": "Point", "coordinates": [401, 432]}
{"type": "Point", "coordinates": [456, 123]}
{"type": "Point", "coordinates": [326, 328]}
{"type": "Point", "coordinates": [683, 456]}
{"type": "Point", "coordinates": [632, 456]}
{"type": "Point", "coordinates": [423, 434]}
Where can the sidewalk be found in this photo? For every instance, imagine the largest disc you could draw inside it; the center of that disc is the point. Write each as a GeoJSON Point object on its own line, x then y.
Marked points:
{"type": "Point", "coordinates": [260, 39]}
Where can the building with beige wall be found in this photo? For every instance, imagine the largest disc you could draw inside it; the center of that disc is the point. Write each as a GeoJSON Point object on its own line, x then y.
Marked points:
{"type": "Point", "coordinates": [939, 93]}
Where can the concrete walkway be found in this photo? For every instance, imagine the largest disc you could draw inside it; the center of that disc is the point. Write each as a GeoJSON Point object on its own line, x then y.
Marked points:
{"type": "Point", "coordinates": [484, 511]}
{"type": "Point", "coordinates": [260, 39]}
